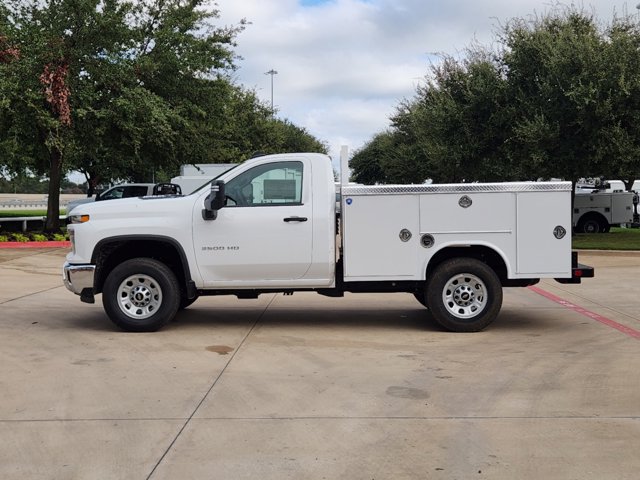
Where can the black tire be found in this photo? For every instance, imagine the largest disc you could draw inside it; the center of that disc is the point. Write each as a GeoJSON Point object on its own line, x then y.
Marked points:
{"type": "Point", "coordinates": [591, 225]}
{"type": "Point", "coordinates": [141, 295]}
{"type": "Point", "coordinates": [464, 295]}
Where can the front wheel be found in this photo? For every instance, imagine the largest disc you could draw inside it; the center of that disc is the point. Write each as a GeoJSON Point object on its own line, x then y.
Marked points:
{"type": "Point", "coordinates": [141, 295]}
{"type": "Point", "coordinates": [464, 295]}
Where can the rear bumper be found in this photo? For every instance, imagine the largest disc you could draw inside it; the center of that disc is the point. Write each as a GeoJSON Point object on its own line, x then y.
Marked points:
{"type": "Point", "coordinates": [578, 271]}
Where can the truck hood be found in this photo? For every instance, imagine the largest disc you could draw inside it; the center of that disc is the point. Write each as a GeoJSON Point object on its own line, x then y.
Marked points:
{"type": "Point", "coordinates": [135, 207]}
{"type": "Point", "coordinates": [80, 201]}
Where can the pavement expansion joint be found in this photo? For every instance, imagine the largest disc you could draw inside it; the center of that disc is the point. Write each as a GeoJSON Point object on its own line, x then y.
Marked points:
{"type": "Point", "coordinates": [30, 294]}
{"type": "Point", "coordinates": [306, 418]}
{"type": "Point", "coordinates": [213, 384]}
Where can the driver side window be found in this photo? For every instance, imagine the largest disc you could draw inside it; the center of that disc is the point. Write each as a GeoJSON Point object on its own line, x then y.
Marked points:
{"type": "Point", "coordinates": [267, 185]}
{"type": "Point", "coordinates": [113, 194]}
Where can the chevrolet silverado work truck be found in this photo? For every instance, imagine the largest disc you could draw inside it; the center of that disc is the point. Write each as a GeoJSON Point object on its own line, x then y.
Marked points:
{"type": "Point", "coordinates": [271, 225]}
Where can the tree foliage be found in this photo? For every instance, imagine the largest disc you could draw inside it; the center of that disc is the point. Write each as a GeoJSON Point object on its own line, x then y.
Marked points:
{"type": "Point", "coordinates": [558, 97]}
{"type": "Point", "coordinates": [389, 158]}
{"type": "Point", "coordinates": [119, 89]}
{"type": "Point", "coordinates": [25, 183]}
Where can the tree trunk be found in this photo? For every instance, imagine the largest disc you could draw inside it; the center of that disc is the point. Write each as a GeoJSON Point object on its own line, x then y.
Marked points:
{"type": "Point", "coordinates": [53, 205]}
{"type": "Point", "coordinates": [92, 183]}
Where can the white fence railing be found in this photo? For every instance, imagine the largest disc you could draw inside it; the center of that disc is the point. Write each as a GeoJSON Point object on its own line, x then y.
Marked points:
{"type": "Point", "coordinates": [28, 203]}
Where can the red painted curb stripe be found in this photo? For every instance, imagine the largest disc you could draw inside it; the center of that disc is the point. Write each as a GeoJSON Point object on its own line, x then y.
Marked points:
{"type": "Point", "coordinates": [587, 313]}
{"type": "Point", "coordinates": [63, 244]}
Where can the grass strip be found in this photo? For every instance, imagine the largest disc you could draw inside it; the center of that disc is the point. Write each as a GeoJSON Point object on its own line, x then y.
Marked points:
{"type": "Point", "coordinates": [616, 239]}
{"type": "Point", "coordinates": [26, 213]}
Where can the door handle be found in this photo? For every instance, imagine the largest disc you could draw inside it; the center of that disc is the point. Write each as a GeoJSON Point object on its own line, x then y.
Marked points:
{"type": "Point", "coordinates": [295, 219]}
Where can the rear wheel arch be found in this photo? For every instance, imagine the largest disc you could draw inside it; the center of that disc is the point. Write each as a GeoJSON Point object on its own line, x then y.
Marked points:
{"type": "Point", "coordinates": [494, 259]}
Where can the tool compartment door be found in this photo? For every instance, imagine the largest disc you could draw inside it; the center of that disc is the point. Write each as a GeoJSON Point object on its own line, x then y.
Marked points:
{"type": "Point", "coordinates": [538, 249]}
{"type": "Point", "coordinates": [372, 225]}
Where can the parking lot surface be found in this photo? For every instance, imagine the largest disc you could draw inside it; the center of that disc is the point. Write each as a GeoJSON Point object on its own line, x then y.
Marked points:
{"type": "Point", "coordinates": [308, 387]}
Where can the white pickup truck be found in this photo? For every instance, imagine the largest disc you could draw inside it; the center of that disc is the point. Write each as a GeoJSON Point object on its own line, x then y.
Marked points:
{"type": "Point", "coordinates": [270, 225]}
{"type": "Point", "coordinates": [127, 190]}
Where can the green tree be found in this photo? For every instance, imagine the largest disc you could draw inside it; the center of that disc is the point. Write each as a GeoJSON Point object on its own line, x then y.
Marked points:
{"type": "Point", "coordinates": [285, 137]}
{"type": "Point", "coordinates": [555, 76]}
{"type": "Point", "coordinates": [23, 182]}
{"type": "Point", "coordinates": [559, 97]}
{"type": "Point", "coordinates": [620, 158]}
{"type": "Point", "coordinates": [390, 157]}
{"type": "Point", "coordinates": [238, 124]}
{"type": "Point", "coordinates": [459, 119]}
{"type": "Point", "coordinates": [108, 87]}
{"type": "Point", "coordinates": [575, 84]}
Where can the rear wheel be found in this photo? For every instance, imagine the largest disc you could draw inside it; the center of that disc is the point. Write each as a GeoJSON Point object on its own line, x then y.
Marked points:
{"type": "Point", "coordinates": [141, 295]}
{"type": "Point", "coordinates": [593, 224]}
{"type": "Point", "coordinates": [464, 295]}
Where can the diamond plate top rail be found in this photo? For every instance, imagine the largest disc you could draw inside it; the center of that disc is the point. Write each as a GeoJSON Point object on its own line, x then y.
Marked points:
{"type": "Point", "coordinates": [458, 188]}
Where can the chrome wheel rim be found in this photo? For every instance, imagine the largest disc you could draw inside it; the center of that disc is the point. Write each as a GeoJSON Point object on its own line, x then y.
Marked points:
{"type": "Point", "coordinates": [465, 296]}
{"type": "Point", "coordinates": [139, 296]}
{"type": "Point", "coordinates": [592, 227]}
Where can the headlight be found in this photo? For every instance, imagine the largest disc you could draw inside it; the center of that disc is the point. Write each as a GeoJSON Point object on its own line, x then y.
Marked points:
{"type": "Point", "coordinates": [78, 218]}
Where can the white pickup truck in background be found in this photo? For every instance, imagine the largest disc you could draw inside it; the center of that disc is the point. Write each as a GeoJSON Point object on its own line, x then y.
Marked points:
{"type": "Point", "coordinates": [270, 225]}
{"type": "Point", "coordinates": [128, 190]}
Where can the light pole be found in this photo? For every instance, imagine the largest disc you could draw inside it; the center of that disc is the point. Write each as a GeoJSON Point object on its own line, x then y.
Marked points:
{"type": "Point", "coordinates": [271, 72]}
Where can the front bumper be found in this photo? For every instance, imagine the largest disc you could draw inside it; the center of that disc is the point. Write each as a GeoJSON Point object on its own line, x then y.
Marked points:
{"type": "Point", "coordinates": [79, 279]}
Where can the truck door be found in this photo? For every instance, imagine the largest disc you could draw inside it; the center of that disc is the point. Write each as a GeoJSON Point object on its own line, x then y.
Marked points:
{"type": "Point", "coordinates": [263, 235]}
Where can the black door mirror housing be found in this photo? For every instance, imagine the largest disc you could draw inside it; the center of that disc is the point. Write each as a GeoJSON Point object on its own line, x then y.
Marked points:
{"type": "Point", "coordinates": [214, 201]}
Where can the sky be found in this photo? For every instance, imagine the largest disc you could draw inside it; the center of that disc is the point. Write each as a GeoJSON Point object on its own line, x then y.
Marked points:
{"type": "Point", "coordinates": [345, 65]}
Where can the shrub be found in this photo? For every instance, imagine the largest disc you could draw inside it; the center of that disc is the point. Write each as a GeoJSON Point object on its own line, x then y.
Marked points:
{"type": "Point", "coordinates": [60, 237]}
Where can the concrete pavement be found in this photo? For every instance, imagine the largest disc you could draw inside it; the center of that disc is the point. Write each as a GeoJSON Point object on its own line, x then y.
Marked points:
{"type": "Point", "coordinates": [308, 387]}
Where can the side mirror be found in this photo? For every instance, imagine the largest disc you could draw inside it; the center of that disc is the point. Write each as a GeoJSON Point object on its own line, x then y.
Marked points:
{"type": "Point", "coordinates": [214, 201]}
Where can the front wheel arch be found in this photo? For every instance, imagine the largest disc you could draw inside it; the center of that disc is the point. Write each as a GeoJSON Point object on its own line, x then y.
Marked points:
{"type": "Point", "coordinates": [112, 251]}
